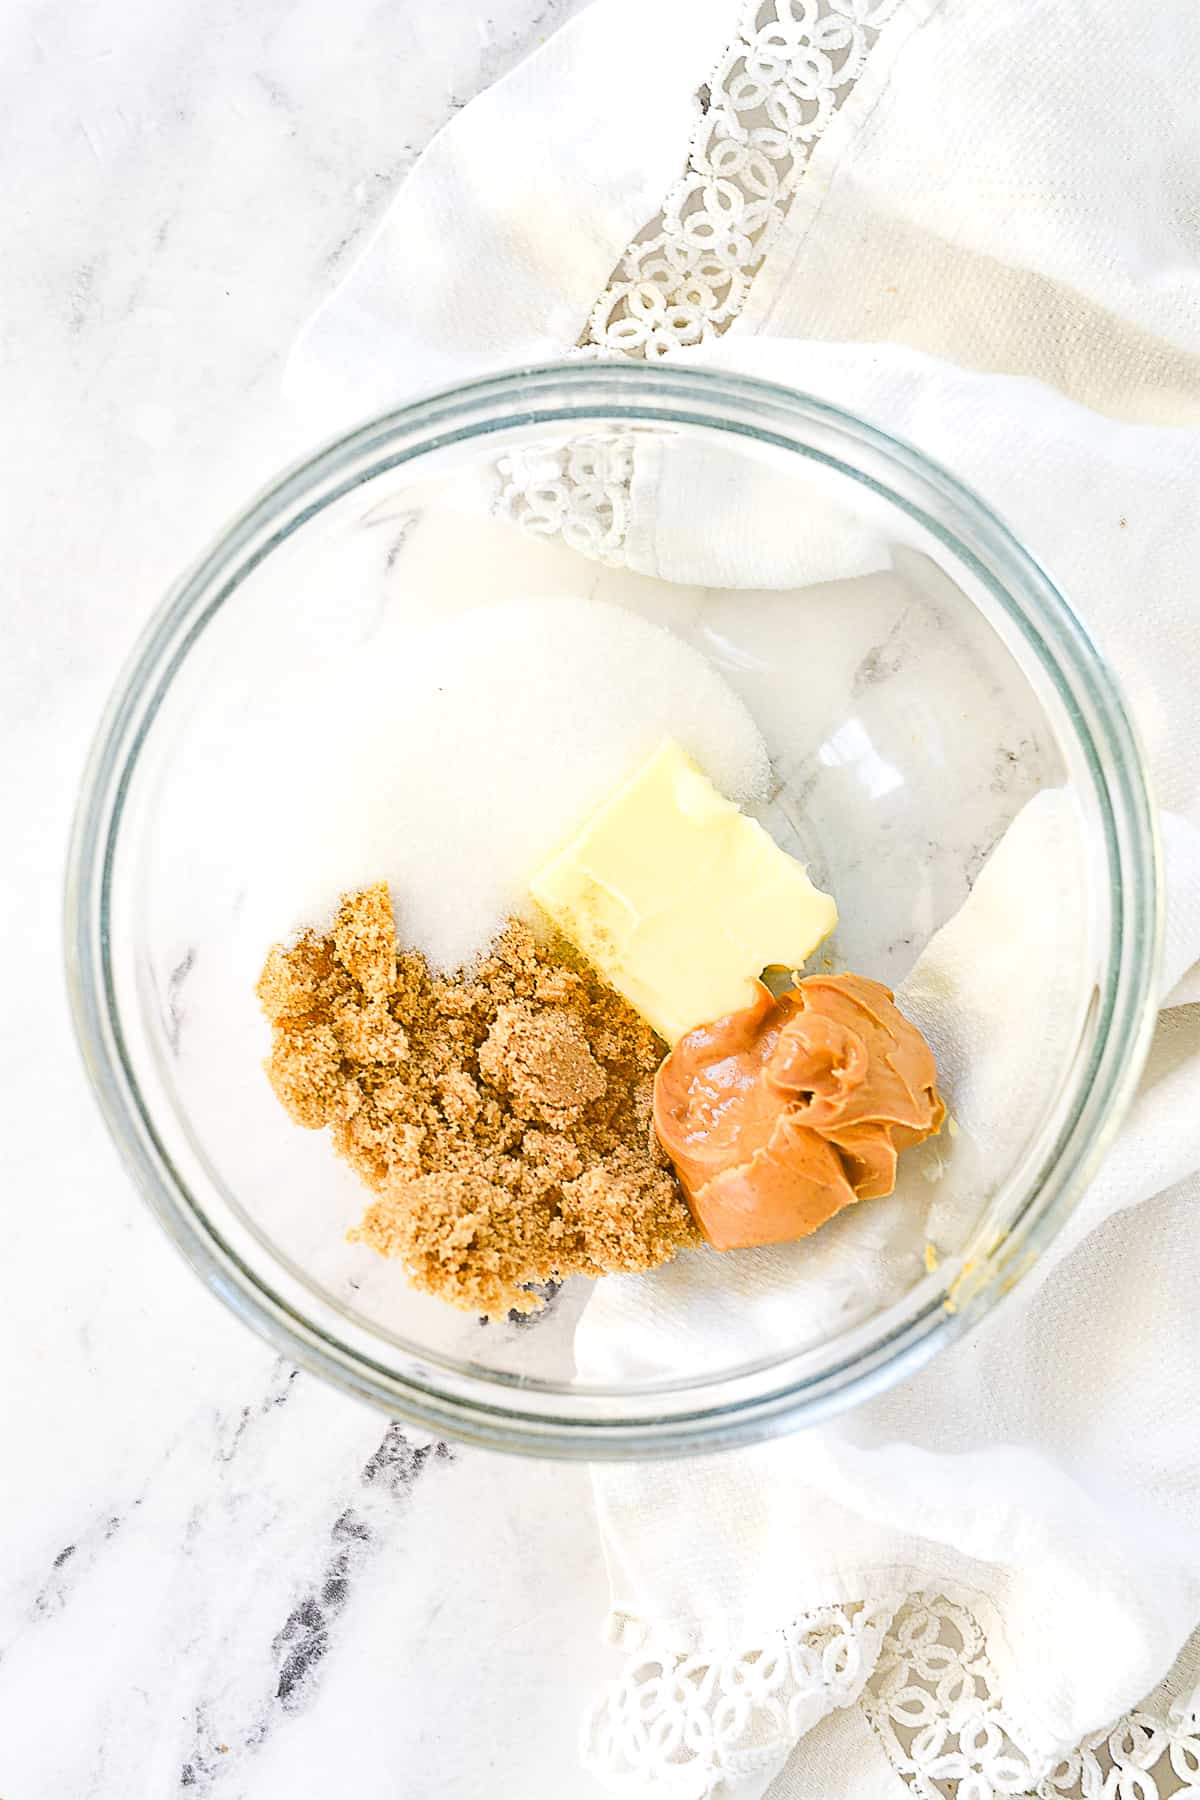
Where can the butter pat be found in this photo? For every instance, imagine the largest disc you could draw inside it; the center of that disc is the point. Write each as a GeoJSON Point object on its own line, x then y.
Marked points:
{"type": "Point", "coordinates": [679, 900]}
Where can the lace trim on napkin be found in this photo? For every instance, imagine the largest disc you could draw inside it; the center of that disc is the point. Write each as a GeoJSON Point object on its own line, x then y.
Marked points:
{"type": "Point", "coordinates": [686, 275]}
{"type": "Point", "coordinates": [684, 1725]}
{"type": "Point", "coordinates": [689, 1726]}
{"type": "Point", "coordinates": [933, 1701]}
{"type": "Point", "coordinates": [578, 490]}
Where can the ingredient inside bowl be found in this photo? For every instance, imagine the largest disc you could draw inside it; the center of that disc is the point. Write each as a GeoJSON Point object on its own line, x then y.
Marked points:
{"type": "Point", "coordinates": [503, 1115]}
{"type": "Point", "coordinates": [679, 898]}
{"type": "Point", "coordinates": [778, 1116]}
{"type": "Point", "coordinates": [518, 1119]}
{"type": "Point", "coordinates": [454, 760]}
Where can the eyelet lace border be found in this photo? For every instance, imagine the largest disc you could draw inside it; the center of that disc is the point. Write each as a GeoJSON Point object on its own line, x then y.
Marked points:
{"type": "Point", "coordinates": [690, 1726]}
{"type": "Point", "coordinates": [686, 276]}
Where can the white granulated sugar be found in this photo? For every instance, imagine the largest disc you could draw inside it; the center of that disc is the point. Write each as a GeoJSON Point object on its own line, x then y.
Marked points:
{"type": "Point", "coordinates": [455, 767]}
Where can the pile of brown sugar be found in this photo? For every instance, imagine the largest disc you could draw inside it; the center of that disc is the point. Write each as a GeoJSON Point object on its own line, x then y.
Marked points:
{"type": "Point", "coordinates": [503, 1116]}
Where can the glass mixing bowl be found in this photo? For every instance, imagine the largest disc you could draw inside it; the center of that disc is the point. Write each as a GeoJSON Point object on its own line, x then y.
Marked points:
{"type": "Point", "coordinates": [917, 679]}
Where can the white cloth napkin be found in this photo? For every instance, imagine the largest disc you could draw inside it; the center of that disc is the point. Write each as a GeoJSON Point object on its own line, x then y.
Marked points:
{"type": "Point", "coordinates": [993, 252]}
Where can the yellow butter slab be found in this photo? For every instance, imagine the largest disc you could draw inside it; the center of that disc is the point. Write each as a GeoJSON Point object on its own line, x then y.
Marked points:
{"type": "Point", "coordinates": [678, 899]}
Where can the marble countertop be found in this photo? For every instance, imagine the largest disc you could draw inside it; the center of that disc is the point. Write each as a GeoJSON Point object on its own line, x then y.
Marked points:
{"type": "Point", "coordinates": [219, 1575]}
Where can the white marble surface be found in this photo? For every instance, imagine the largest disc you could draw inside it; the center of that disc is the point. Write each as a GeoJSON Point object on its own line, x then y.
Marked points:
{"type": "Point", "coordinates": [218, 1575]}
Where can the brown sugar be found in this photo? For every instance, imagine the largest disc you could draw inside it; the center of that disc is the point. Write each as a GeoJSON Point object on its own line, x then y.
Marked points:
{"type": "Point", "coordinates": [539, 1057]}
{"type": "Point", "coordinates": [503, 1116]}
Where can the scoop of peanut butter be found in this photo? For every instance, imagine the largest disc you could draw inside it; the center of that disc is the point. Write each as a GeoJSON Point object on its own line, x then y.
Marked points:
{"type": "Point", "coordinates": [778, 1116]}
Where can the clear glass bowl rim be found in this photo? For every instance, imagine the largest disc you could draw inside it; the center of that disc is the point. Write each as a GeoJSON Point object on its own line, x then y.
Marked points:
{"type": "Point", "coordinates": [548, 1419]}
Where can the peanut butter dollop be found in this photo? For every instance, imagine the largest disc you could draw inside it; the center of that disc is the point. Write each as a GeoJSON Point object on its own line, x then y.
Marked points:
{"type": "Point", "coordinates": [777, 1116]}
